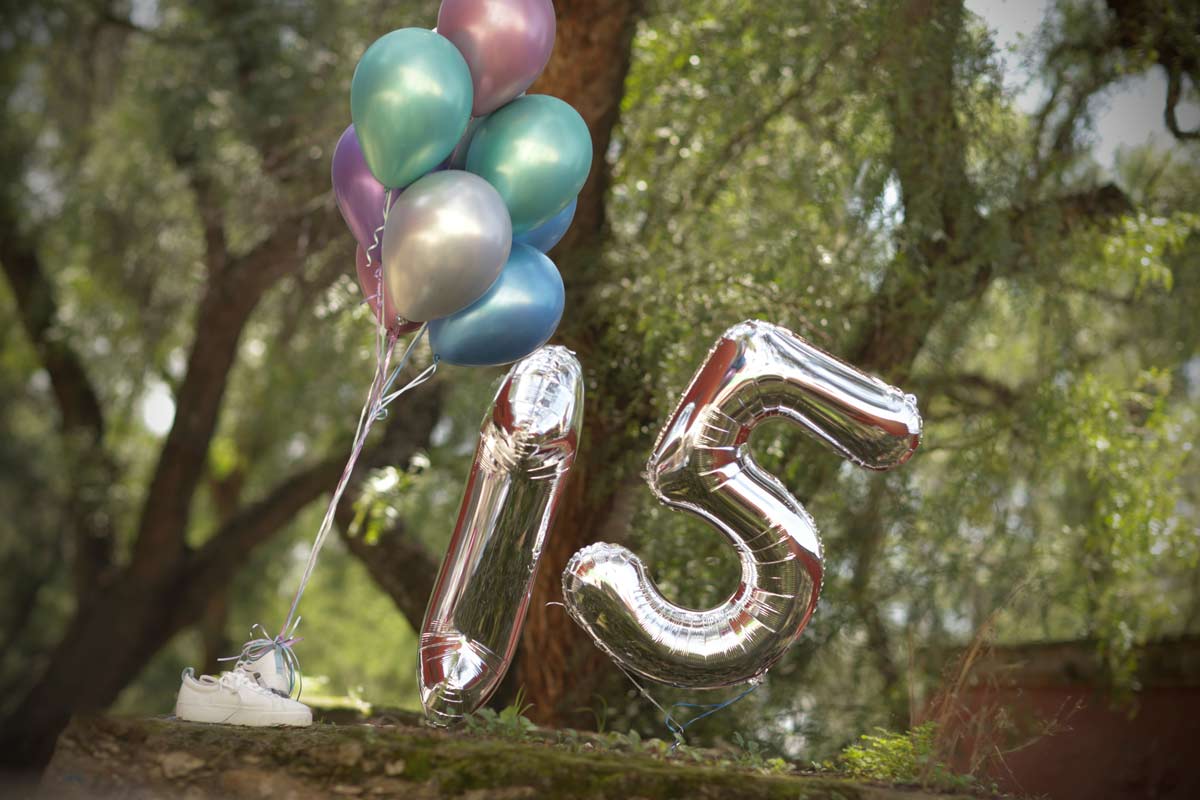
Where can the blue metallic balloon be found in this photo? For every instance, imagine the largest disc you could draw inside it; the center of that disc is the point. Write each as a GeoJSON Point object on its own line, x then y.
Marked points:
{"type": "Point", "coordinates": [513, 318]}
{"type": "Point", "coordinates": [544, 237]}
{"type": "Point", "coordinates": [537, 152]}
{"type": "Point", "coordinates": [410, 100]}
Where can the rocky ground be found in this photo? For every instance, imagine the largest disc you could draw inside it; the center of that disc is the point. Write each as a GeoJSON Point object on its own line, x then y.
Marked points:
{"type": "Point", "coordinates": [109, 757]}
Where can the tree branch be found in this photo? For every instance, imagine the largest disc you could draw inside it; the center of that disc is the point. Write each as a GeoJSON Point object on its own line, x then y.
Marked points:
{"type": "Point", "coordinates": [173, 38]}
{"type": "Point", "coordinates": [970, 389]}
{"type": "Point", "coordinates": [870, 534]}
{"type": "Point", "coordinates": [215, 562]}
{"type": "Point", "coordinates": [1174, 94]}
{"type": "Point", "coordinates": [399, 564]}
{"type": "Point", "coordinates": [708, 184]}
{"type": "Point", "coordinates": [228, 302]}
{"type": "Point", "coordinates": [37, 308]}
{"type": "Point", "coordinates": [81, 417]}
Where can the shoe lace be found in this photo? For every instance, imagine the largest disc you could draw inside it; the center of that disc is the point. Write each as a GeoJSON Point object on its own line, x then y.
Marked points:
{"type": "Point", "coordinates": [237, 679]}
{"type": "Point", "coordinates": [262, 643]}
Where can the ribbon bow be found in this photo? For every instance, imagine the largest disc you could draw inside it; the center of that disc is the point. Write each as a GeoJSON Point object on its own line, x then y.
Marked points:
{"type": "Point", "coordinates": [286, 659]}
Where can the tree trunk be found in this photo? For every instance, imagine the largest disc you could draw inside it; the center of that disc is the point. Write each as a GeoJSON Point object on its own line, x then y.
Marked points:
{"type": "Point", "coordinates": [213, 626]}
{"type": "Point", "coordinates": [115, 632]}
{"type": "Point", "coordinates": [111, 637]}
{"type": "Point", "coordinates": [591, 60]}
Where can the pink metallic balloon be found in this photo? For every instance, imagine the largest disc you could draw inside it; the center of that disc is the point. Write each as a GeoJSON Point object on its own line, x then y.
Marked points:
{"type": "Point", "coordinates": [368, 280]}
{"type": "Point", "coordinates": [506, 44]}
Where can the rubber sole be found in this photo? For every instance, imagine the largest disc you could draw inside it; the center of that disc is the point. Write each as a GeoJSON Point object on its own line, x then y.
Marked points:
{"type": "Point", "coordinates": [242, 716]}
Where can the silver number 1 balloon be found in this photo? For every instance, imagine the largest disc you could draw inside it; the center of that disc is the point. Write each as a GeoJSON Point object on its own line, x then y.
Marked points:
{"type": "Point", "coordinates": [702, 464]}
{"type": "Point", "coordinates": [526, 447]}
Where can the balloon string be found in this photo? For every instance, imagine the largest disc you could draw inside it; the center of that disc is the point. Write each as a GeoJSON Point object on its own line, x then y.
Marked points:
{"type": "Point", "coordinates": [380, 295]}
{"type": "Point", "coordinates": [673, 725]}
{"type": "Point", "coordinates": [676, 729]}
{"type": "Point", "coordinates": [425, 375]}
{"type": "Point", "coordinates": [381, 305]}
{"type": "Point", "coordinates": [374, 408]}
{"type": "Point", "coordinates": [713, 708]}
{"type": "Point", "coordinates": [283, 642]}
{"type": "Point", "coordinates": [404, 359]}
{"type": "Point", "coordinates": [376, 241]}
{"type": "Point", "coordinates": [366, 418]}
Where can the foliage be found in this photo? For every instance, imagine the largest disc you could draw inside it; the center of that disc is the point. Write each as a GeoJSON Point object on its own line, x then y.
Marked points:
{"type": "Point", "coordinates": [901, 758]}
{"type": "Point", "coordinates": [754, 755]}
{"type": "Point", "coordinates": [509, 722]}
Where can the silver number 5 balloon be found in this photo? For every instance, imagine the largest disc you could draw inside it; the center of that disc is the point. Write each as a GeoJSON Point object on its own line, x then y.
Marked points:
{"type": "Point", "coordinates": [526, 447]}
{"type": "Point", "coordinates": [702, 464]}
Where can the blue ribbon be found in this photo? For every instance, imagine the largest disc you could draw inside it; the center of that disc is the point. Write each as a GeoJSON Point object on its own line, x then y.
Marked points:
{"type": "Point", "coordinates": [713, 708]}
{"type": "Point", "coordinates": [286, 659]}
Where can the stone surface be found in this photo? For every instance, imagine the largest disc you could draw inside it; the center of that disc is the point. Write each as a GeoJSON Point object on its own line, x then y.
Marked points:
{"type": "Point", "coordinates": [177, 763]}
{"type": "Point", "coordinates": [105, 757]}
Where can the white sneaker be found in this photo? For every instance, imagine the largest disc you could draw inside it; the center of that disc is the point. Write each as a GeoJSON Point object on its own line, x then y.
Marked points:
{"type": "Point", "coordinates": [236, 699]}
{"type": "Point", "coordinates": [269, 672]}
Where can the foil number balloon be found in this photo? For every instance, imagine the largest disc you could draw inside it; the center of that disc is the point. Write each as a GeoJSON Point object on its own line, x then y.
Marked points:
{"type": "Point", "coordinates": [526, 446]}
{"type": "Point", "coordinates": [702, 464]}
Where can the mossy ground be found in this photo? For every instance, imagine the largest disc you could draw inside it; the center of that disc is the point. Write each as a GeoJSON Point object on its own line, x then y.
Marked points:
{"type": "Point", "coordinates": [398, 757]}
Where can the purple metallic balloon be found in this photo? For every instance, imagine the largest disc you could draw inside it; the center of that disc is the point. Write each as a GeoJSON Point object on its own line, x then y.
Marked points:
{"type": "Point", "coordinates": [506, 43]}
{"type": "Point", "coordinates": [359, 195]}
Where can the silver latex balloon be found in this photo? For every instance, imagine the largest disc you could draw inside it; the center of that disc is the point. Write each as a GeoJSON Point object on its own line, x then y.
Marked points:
{"type": "Point", "coordinates": [526, 447]}
{"type": "Point", "coordinates": [702, 464]}
{"type": "Point", "coordinates": [445, 242]}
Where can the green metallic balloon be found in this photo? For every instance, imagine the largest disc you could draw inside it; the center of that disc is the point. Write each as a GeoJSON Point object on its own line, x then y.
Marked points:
{"type": "Point", "coordinates": [410, 100]}
{"type": "Point", "coordinates": [537, 152]}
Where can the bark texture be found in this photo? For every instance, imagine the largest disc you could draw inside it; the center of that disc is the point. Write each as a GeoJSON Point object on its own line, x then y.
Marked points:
{"type": "Point", "coordinates": [557, 664]}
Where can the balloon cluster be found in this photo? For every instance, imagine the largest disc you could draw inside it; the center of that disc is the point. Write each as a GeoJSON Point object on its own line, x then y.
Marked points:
{"type": "Point", "coordinates": [456, 184]}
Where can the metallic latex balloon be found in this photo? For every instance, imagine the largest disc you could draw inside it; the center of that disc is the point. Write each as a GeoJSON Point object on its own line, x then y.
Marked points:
{"type": "Point", "coordinates": [506, 43]}
{"type": "Point", "coordinates": [537, 152]}
{"type": "Point", "coordinates": [410, 100]}
{"type": "Point", "coordinates": [545, 236]}
{"type": "Point", "coordinates": [446, 240]}
{"type": "Point", "coordinates": [515, 317]}
{"type": "Point", "coordinates": [702, 464]}
{"type": "Point", "coordinates": [358, 194]}
{"type": "Point", "coordinates": [368, 281]}
{"type": "Point", "coordinates": [526, 446]}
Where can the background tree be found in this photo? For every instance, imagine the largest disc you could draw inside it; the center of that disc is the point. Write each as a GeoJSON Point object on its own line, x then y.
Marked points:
{"type": "Point", "coordinates": [184, 353]}
{"type": "Point", "coordinates": [174, 153]}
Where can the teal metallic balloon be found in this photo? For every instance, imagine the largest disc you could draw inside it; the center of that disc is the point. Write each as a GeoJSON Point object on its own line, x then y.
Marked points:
{"type": "Point", "coordinates": [537, 152]}
{"type": "Point", "coordinates": [410, 100]}
{"type": "Point", "coordinates": [516, 316]}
